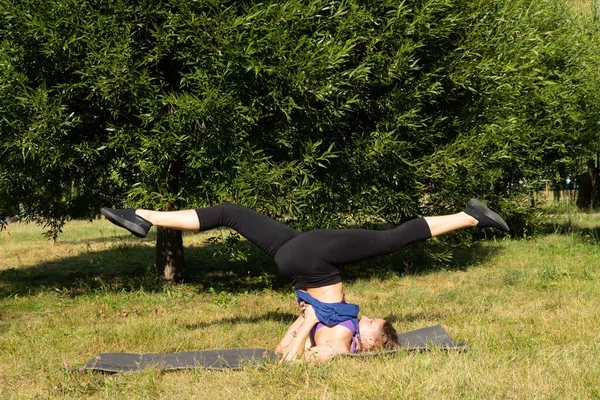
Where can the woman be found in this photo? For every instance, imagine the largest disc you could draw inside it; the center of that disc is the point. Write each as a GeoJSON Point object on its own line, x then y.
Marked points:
{"type": "Point", "coordinates": [327, 325]}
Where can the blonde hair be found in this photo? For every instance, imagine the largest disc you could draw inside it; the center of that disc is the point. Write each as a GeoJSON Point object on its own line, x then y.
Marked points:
{"type": "Point", "coordinates": [387, 339]}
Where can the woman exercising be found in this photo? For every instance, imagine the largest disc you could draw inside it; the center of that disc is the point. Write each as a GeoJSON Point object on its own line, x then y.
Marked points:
{"type": "Point", "coordinates": [327, 325]}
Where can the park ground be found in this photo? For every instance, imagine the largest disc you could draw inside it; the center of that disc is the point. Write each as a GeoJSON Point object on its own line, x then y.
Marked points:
{"type": "Point", "coordinates": [528, 309]}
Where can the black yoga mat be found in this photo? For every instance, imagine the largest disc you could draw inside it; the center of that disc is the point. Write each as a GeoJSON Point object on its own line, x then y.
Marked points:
{"type": "Point", "coordinates": [420, 339]}
{"type": "Point", "coordinates": [208, 359]}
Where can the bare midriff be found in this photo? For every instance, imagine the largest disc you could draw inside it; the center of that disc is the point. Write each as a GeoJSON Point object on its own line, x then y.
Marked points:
{"type": "Point", "coordinates": [327, 294]}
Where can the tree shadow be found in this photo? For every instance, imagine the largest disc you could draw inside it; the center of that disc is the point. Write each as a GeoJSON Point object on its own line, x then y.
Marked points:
{"type": "Point", "coordinates": [277, 316]}
{"type": "Point", "coordinates": [566, 228]}
{"type": "Point", "coordinates": [121, 239]}
{"type": "Point", "coordinates": [130, 267]}
{"type": "Point", "coordinates": [72, 275]}
{"type": "Point", "coordinates": [585, 235]}
{"type": "Point", "coordinates": [433, 317]}
{"type": "Point", "coordinates": [421, 259]}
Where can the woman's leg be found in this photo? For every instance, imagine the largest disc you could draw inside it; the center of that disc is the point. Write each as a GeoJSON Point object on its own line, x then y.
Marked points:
{"type": "Point", "coordinates": [447, 223]}
{"type": "Point", "coordinates": [264, 232]}
{"type": "Point", "coordinates": [268, 234]}
{"type": "Point", "coordinates": [185, 220]}
{"type": "Point", "coordinates": [345, 246]}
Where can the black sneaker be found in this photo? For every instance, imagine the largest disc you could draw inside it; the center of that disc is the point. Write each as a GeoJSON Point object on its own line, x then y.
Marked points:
{"type": "Point", "coordinates": [128, 219]}
{"type": "Point", "coordinates": [484, 216]}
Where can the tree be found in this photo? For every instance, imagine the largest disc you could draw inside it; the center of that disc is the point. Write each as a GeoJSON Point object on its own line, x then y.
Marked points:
{"type": "Point", "coordinates": [314, 112]}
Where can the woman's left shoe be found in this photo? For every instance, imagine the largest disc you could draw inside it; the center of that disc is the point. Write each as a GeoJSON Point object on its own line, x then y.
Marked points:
{"type": "Point", "coordinates": [484, 216]}
{"type": "Point", "coordinates": [129, 220]}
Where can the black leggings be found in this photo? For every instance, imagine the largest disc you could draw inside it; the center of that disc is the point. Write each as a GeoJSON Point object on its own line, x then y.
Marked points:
{"type": "Point", "coordinates": [311, 259]}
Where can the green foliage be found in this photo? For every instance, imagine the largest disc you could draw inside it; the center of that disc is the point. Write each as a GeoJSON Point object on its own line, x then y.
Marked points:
{"type": "Point", "coordinates": [532, 106]}
{"type": "Point", "coordinates": [314, 112]}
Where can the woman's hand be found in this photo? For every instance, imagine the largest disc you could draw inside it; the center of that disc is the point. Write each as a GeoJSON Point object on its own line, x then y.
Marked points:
{"type": "Point", "coordinates": [292, 346]}
{"type": "Point", "coordinates": [302, 306]}
{"type": "Point", "coordinates": [309, 314]}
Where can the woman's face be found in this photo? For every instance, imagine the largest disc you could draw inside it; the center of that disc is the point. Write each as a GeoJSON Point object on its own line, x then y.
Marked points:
{"type": "Point", "coordinates": [369, 330]}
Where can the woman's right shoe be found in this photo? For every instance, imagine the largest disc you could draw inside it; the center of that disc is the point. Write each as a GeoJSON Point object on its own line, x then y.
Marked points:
{"type": "Point", "coordinates": [484, 216]}
{"type": "Point", "coordinates": [128, 219]}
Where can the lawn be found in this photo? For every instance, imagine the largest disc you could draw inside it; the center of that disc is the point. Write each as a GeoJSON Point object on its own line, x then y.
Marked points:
{"type": "Point", "coordinates": [527, 308]}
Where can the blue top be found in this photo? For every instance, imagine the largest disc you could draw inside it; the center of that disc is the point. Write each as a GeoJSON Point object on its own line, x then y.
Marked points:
{"type": "Point", "coordinates": [330, 313]}
{"type": "Point", "coordinates": [333, 313]}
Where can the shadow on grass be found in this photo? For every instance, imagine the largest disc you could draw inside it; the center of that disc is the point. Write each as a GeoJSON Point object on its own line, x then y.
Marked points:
{"type": "Point", "coordinates": [568, 228]}
{"type": "Point", "coordinates": [277, 316]}
{"type": "Point", "coordinates": [419, 259]}
{"type": "Point", "coordinates": [127, 267]}
{"type": "Point", "coordinates": [433, 317]}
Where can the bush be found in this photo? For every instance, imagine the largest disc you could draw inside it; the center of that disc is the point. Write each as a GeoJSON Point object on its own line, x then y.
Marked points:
{"type": "Point", "coordinates": [317, 112]}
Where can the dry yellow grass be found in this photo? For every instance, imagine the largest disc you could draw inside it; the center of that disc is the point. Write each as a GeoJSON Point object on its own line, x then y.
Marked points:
{"type": "Point", "coordinates": [528, 311]}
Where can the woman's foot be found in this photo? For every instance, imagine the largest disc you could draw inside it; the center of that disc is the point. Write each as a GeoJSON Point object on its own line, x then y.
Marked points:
{"type": "Point", "coordinates": [484, 216]}
{"type": "Point", "coordinates": [128, 219]}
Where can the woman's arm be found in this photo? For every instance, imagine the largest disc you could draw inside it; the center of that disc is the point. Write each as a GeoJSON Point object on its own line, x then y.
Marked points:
{"type": "Point", "coordinates": [297, 335]}
{"type": "Point", "coordinates": [325, 351]}
{"type": "Point", "coordinates": [295, 350]}
{"type": "Point", "coordinates": [294, 347]}
{"type": "Point", "coordinates": [291, 333]}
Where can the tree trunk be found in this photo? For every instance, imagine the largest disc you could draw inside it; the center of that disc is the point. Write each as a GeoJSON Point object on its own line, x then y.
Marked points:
{"type": "Point", "coordinates": [169, 244]}
{"type": "Point", "coordinates": [169, 255]}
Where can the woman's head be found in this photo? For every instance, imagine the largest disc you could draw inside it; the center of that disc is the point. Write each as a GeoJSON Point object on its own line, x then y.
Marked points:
{"type": "Point", "coordinates": [377, 333]}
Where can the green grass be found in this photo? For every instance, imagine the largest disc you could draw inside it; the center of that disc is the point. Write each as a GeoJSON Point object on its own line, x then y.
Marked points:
{"type": "Point", "coordinates": [527, 308]}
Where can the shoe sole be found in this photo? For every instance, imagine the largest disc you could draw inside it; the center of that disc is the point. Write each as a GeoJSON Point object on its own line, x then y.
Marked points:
{"type": "Point", "coordinates": [124, 223]}
{"type": "Point", "coordinates": [478, 205]}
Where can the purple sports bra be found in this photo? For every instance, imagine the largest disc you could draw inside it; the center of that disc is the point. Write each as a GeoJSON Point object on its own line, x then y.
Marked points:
{"type": "Point", "coordinates": [347, 324]}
